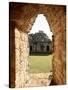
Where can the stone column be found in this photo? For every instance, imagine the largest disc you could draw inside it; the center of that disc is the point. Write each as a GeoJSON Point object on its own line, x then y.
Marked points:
{"type": "Point", "coordinates": [59, 58]}
{"type": "Point", "coordinates": [21, 50]}
{"type": "Point", "coordinates": [17, 58]}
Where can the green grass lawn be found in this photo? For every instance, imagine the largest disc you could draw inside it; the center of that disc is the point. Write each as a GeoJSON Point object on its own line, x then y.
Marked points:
{"type": "Point", "coordinates": [40, 64]}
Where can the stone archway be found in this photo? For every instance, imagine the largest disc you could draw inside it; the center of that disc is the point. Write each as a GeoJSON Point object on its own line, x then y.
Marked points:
{"type": "Point", "coordinates": [23, 22]}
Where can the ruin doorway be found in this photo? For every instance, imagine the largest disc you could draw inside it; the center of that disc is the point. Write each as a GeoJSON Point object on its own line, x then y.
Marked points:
{"type": "Point", "coordinates": [30, 48]}
{"type": "Point", "coordinates": [47, 48]}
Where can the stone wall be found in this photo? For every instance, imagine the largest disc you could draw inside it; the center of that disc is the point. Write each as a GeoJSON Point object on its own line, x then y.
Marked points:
{"type": "Point", "coordinates": [40, 48]}
{"type": "Point", "coordinates": [24, 16]}
{"type": "Point", "coordinates": [21, 65]}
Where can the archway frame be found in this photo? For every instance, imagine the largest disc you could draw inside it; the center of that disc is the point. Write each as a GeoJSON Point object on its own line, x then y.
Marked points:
{"type": "Point", "coordinates": [61, 78]}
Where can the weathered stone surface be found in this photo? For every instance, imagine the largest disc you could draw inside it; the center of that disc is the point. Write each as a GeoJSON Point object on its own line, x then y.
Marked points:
{"type": "Point", "coordinates": [24, 16]}
{"type": "Point", "coordinates": [40, 79]}
{"type": "Point", "coordinates": [21, 54]}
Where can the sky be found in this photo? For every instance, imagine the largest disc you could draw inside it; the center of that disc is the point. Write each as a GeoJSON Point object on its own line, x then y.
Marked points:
{"type": "Point", "coordinates": [41, 24]}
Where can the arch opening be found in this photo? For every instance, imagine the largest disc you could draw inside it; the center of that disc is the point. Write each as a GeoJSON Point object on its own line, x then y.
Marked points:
{"type": "Point", "coordinates": [40, 49]}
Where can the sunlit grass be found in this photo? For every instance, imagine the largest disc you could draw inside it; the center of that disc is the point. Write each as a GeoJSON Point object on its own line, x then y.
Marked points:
{"type": "Point", "coordinates": [39, 64]}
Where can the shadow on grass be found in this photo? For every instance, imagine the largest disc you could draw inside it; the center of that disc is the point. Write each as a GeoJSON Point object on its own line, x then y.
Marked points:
{"type": "Point", "coordinates": [40, 54]}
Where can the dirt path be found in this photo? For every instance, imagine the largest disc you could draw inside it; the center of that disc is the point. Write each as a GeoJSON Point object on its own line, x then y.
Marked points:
{"type": "Point", "coordinates": [40, 79]}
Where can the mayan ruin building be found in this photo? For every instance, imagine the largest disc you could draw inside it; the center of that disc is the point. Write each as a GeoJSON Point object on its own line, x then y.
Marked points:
{"type": "Point", "coordinates": [40, 43]}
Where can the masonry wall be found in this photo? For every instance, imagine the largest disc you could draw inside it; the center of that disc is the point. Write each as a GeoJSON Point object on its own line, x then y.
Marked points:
{"type": "Point", "coordinates": [24, 16]}
{"type": "Point", "coordinates": [21, 53]}
{"type": "Point", "coordinates": [36, 48]}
